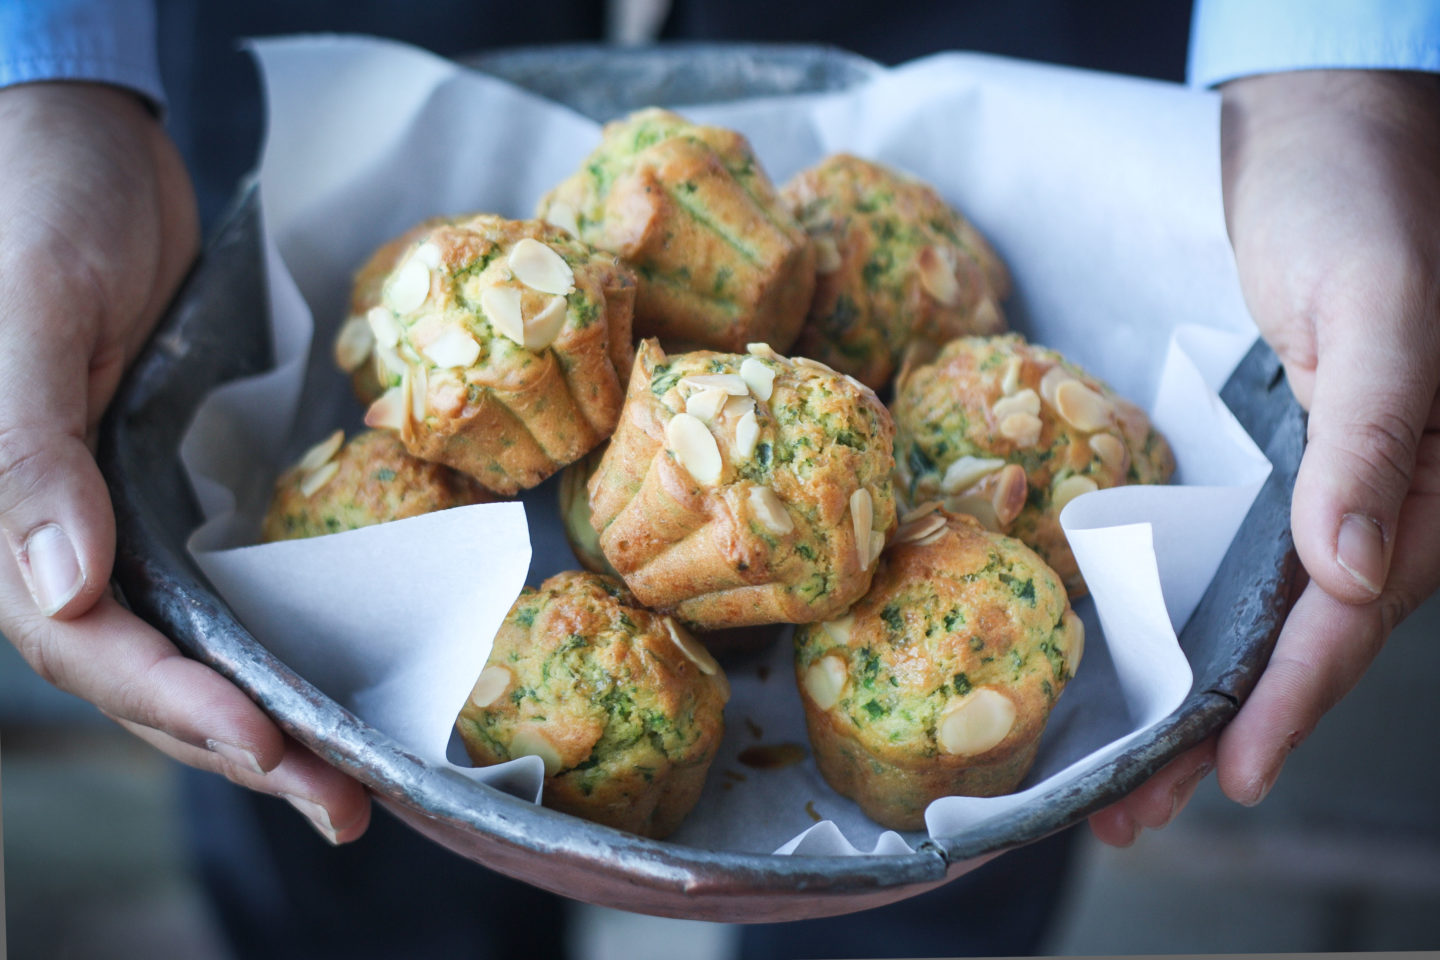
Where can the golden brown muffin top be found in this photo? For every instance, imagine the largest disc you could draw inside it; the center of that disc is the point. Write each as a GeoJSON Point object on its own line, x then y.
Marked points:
{"type": "Point", "coordinates": [368, 480]}
{"type": "Point", "coordinates": [961, 647]}
{"type": "Point", "coordinates": [595, 685]}
{"type": "Point", "coordinates": [895, 264]}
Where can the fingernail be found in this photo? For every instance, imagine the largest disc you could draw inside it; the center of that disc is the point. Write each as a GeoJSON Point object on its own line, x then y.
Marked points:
{"type": "Point", "coordinates": [1261, 788]}
{"type": "Point", "coordinates": [239, 756]}
{"type": "Point", "coordinates": [318, 816]}
{"type": "Point", "coordinates": [53, 568]}
{"type": "Point", "coordinates": [1360, 550]}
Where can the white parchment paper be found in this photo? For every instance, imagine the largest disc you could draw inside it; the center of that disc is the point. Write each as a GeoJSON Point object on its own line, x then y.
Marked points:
{"type": "Point", "coordinates": [1101, 193]}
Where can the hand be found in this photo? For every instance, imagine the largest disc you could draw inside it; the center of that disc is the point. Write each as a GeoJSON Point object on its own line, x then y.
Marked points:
{"type": "Point", "coordinates": [97, 228]}
{"type": "Point", "coordinates": [1332, 198]}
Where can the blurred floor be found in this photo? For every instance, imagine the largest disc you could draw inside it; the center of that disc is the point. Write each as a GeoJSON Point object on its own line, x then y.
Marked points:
{"type": "Point", "coordinates": [1344, 854]}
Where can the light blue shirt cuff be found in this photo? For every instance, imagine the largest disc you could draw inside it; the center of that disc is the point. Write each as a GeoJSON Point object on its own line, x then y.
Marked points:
{"type": "Point", "coordinates": [1238, 38]}
{"type": "Point", "coordinates": [102, 41]}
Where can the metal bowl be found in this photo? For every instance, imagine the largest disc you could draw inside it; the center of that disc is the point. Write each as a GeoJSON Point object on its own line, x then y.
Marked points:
{"type": "Point", "coordinates": [211, 335]}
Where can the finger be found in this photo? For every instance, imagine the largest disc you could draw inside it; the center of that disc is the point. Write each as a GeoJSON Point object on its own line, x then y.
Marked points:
{"type": "Point", "coordinates": [336, 806]}
{"type": "Point", "coordinates": [1157, 801]}
{"type": "Point", "coordinates": [1372, 394]}
{"type": "Point", "coordinates": [1114, 826]}
{"type": "Point", "coordinates": [130, 671]}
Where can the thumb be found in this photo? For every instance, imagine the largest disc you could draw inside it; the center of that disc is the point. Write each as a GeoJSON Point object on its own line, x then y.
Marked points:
{"type": "Point", "coordinates": [1373, 391]}
{"type": "Point", "coordinates": [55, 510]}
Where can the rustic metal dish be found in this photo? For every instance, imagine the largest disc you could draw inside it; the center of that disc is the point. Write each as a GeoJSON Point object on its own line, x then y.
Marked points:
{"type": "Point", "coordinates": [211, 335]}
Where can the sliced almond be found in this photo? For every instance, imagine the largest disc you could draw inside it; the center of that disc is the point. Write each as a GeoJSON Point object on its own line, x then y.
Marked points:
{"type": "Point", "coordinates": [420, 394]}
{"type": "Point", "coordinates": [839, 628]}
{"type": "Point", "coordinates": [1083, 408]}
{"type": "Point", "coordinates": [322, 453]}
{"type": "Point", "coordinates": [314, 481]}
{"type": "Point", "coordinates": [694, 447]}
{"type": "Point", "coordinates": [1073, 647]}
{"type": "Point", "coordinates": [353, 344]}
{"type": "Point", "coordinates": [1025, 401]}
{"type": "Point", "coordinates": [975, 506]}
{"type": "Point", "coordinates": [502, 308]}
{"type": "Point", "coordinates": [389, 360]}
{"type": "Point", "coordinates": [539, 267]}
{"type": "Point", "coordinates": [807, 362]}
{"type": "Point", "coordinates": [877, 547]}
{"type": "Point", "coordinates": [1022, 428]}
{"type": "Point", "coordinates": [936, 266]}
{"type": "Point", "coordinates": [1055, 376]}
{"type": "Point", "coordinates": [1068, 489]}
{"type": "Point", "coordinates": [733, 384]}
{"type": "Point", "coordinates": [428, 254]}
{"type": "Point", "coordinates": [737, 407]}
{"type": "Point", "coordinates": [825, 681]}
{"type": "Point", "coordinates": [494, 680]}
{"type": "Point", "coordinates": [932, 538]}
{"type": "Point", "coordinates": [862, 515]}
{"type": "Point", "coordinates": [860, 385]}
{"type": "Point", "coordinates": [693, 649]}
{"type": "Point", "coordinates": [384, 325]}
{"type": "Point", "coordinates": [542, 329]}
{"type": "Point", "coordinates": [1010, 383]}
{"type": "Point", "coordinates": [408, 287]}
{"type": "Point", "coordinates": [1111, 451]}
{"type": "Point", "coordinates": [1009, 495]}
{"type": "Point", "coordinates": [758, 377]}
{"type": "Point", "coordinates": [926, 508]}
{"type": "Point", "coordinates": [762, 350]}
{"type": "Point", "coordinates": [453, 348]}
{"type": "Point", "coordinates": [561, 214]}
{"type": "Point", "coordinates": [747, 434]}
{"type": "Point", "coordinates": [388, 412]}
{"type": "Point", "coordinates": [447, 393]}
{"type": "Point", "coordinates": [827, 255]}
{"type": "Point", "coordinates": [532, 742]}
{"type": "Point", "coordinates": [770, 510]}
{"type": "Point", "coordinates": [706, 404]}
{"type": "Point", "coordinates": [976, 724]}
{"type": "Point", "coordinates": [919, 529]}
{"type": "Point", "coordinates": [968, 471]}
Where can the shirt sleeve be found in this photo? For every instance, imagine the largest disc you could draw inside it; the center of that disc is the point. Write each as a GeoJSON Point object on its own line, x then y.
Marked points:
{"type": "Point", "coordinates": [1237, 38]}
{"type": "Point", "coordinates": [104, 41]}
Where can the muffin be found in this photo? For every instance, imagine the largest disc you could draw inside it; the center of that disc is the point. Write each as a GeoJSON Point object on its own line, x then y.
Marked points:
{"type": "Point", "coordinates": [721, 262]}
{"type": "Point", "coordinates": [897, 268]}
{"type": "Point", "coordinates": [940, 680]}
{"type": "Point", "coordinates": [745, 489]}
{"type": "Point", "coordinates": [343, 486]}
{"type": "Point", "coordinates": [574, 499]}
{"type": "Point", "coordinates": [621, 704]}
{"type": "Point", "coordinates": [502, 348]}
{"type": "Point", "coordinates": [1011, 433]}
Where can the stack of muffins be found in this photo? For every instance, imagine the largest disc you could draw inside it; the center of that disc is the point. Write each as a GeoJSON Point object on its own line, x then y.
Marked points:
{"type": "Point", "coordinates": [726, 484]}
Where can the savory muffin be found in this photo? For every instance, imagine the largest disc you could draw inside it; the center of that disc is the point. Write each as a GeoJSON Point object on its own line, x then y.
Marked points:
{"type": "Point", "coordinates": [896, 267]}
{"type": "Point", "coordinates": [502, 345]}
{"type": "Point", "coordinates": [1011, 433]}
{"type": "Point", "coordinates": [574, 496]}
{"type": "Point", "coordinates": [622, 705]}
{"type": "Point", "coordinates": [940, 680]}
{"type": "Point", "coordinates": [720, 260]}
{"type": "Point", "coordinates": [371, 479]}
{"type": "Point", "coordinates": [745, 489]}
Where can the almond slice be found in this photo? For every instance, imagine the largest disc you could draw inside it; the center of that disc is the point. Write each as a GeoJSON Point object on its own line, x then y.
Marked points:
{"type": "Point", "coordinates": [862, 515]}
{"type": "Point", "coordinates": [770, 510]}
{"type": "Point", "coordinates": [428, 254]}
{"type": "Point", "coordinates": [420, 394]}
{"type": "Point", "coordinates": [1073, 646]}
{"type": "Point", "coordinates": [353, 344]}
{"type": "Point", "coordinates": [409, 287]}
{"type": "Point", "coordinates": [561, 214]}
{"type": "Point", "coordinates": [860, 385]}
{"type": "Point", "coordinates": [1083, 408]}
{"type": "Point", "coordinates": [1055, 376]}
{"type": "Point", "coordinates": [827, 255]}
{"type": "Point", "coordinates": [877, 547]}
{"type": "Point", "coordinates": [758, 377]}
{"type": "Point", "coordinates": [1070, 488]}
{"type": "Point", "coordinates": [975, 506]}
{"type": "Point", "coordinates": [1111, 451]}
{"type": "Point", "coordinates": [502, 308]}
{"type": "Point", "coordinates": [1008, 497]}
{"type": "Point", "coordinates": [542, 329]}
{"type": "Point", "coordinates": [762, 350]}
{"type": "Point", "coordinates": [825, 681]}
{"type": "Point", "coordinates": [926, 508]}
{"type": "Point", "coordinates": [976, 724]}
{"type": "Point", "coordinates": [694, 447]}
{"type": "Point", "coordinates": [1025, 401]}
{"type": "Point", "coordinates": [388, 411]}
{"type": "Point", "coordinates": [968, 471]}
{"type": "Point", "coordinates": [532, 742]}
{"type": "Point", "coordinates": [936, 266]}
{"type": "Point", "coordinates": [1010, 383]}
{"type": "Point", "coordinates": [321, 454]}
{"type": "Point", "coordinates": [927, 540]}
{"type": "Point", "coordinates": [453, 348]}
{"type": "Point", "coordinates": [389, 360]}
{"type": "Point", "coordinates": [1023, 428]}
{"type": "Point", "coordinates": [494, 680]}
{"type": "Point", "coordinates": [919, 529]}
{"type": "Point", "coordinates": [706, 404]}
{"type": "Point", "coordinates": [693, 649]}
{"type": "Point", "coordinates": [384, 325]}
{"type": "Point", "coordinates": [812, 364]}
{"type": "Point", "coordinates": [747, 434]}
{"type": "Point", "coordinates": [314, 481]}
{"type": "Point", "coordinates": [539, 267]}
{"type": "Point", "coordinates": [737, 407]}
{"type": "Point", "coordinates": [839, 629]}
{"type": "Point", "coordinates": [733, 384]}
